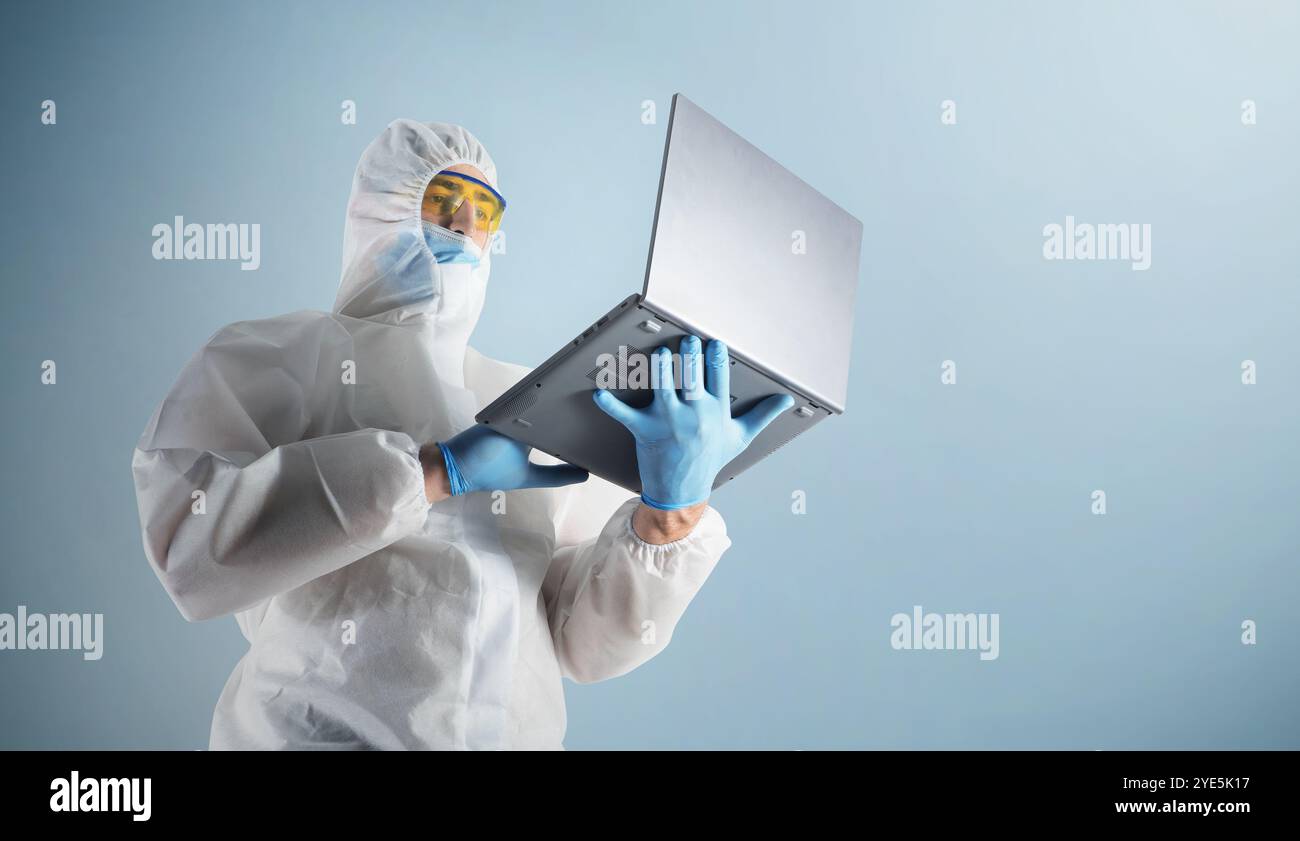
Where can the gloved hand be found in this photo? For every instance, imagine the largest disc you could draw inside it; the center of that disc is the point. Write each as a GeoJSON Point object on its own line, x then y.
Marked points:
{"type": "Point", "coordinates": [682, 442]}
{"type": "Point", "coordinates": [481, 459]}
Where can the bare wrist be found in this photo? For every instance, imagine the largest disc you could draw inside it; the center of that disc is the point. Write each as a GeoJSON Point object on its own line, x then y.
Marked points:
{"type": "Point", "coordinates": [654, 525]}
{"type": "Point", "coordinates": [437, 486]}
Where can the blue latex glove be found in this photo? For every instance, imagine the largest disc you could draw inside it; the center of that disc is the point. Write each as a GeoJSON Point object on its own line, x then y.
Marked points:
{"type": "Point", "coordinates": [481, 459]}
{"type": "Point", "coordinates": [682, 442]}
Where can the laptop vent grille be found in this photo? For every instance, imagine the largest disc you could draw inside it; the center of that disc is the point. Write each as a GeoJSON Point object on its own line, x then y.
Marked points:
{"type": "Point", "coordinates": [631, 352]}
{"type": "Point", "coordinates": [520, 403]}
{"type": "Point", "coordinates": [782, 444]}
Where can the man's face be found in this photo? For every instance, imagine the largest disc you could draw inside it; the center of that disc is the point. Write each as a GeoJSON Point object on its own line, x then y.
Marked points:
{"type": "Point", "coordinates": [469, 218]}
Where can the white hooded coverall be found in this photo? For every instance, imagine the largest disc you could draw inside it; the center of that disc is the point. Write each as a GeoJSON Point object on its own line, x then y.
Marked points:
{"type": "Point", "coordinates": [374, 619]}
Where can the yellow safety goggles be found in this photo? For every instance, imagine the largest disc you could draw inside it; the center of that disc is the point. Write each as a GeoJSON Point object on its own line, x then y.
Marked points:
{"type": "Point", "coordinates": [453, 199]}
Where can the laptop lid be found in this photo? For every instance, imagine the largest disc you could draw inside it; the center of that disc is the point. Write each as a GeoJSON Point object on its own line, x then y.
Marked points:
{"type": "Point", "coordinates": [745, 251]}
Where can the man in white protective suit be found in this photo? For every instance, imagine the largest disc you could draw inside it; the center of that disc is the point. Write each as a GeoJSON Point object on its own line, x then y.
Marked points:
{"type": "Point", "coordinates": [321, 477]}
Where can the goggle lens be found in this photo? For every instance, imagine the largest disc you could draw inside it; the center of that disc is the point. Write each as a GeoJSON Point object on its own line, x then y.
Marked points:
{"type": "Point", "coordinates": [449, 192]}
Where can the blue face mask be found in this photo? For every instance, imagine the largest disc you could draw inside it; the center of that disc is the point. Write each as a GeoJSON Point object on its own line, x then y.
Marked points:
{"type": "Point", "coordinates": [450, 247]}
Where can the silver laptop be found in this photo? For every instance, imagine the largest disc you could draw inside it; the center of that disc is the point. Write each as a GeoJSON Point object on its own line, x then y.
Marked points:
{"type": "Point", "coordinates": [741, 251]}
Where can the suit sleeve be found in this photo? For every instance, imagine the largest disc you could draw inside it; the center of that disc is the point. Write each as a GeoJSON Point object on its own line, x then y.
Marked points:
{"type": "Point", "coordinates": [235, 507]}
{"type": "Point", "coordinates": [613, 601]}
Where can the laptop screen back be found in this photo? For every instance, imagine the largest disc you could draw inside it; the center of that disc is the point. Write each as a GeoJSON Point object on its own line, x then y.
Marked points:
{"type": "Point", "coordinates": [746, 252]}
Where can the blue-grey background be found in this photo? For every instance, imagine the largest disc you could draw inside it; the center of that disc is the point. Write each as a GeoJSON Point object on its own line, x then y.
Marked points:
{"type": "Point", "coordinates": [1117, 631]}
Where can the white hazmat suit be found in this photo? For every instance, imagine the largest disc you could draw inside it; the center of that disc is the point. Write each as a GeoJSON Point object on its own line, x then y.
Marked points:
{"type": "Point", "coordinates": [374, 619]}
